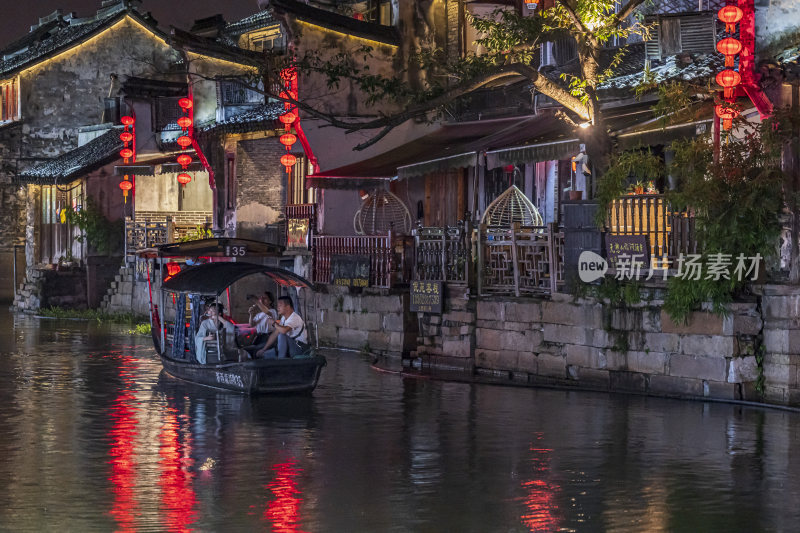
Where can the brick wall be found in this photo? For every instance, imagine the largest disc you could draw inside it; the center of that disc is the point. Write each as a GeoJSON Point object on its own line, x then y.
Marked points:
{"type": "Point", "coordinates": [260, 186]}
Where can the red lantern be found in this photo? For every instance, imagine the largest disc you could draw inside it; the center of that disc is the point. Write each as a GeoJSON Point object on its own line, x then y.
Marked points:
{"type": "Point", "coordinates": [126, 137]}
{"type": "Point", "coordinates": [288, 75]}
{"type": "Point", "coordinates": [729, 47]}
{"type": "Point", "coordinates": [728, 79]}
{"type": "Point", "coordinates": [172, 269]}
{"type": "Point", "coordinates": [287, 139]}
{"type": "Point", "coordinates": [184, 123]}
{"type": "Point", "coordinates": [128, 121]}
{"type": "Point", "coordinates": [727, 114]}
{"type": "Point", "coordinates": [183, 179]}
{"type": "Point", "coordinates": [185, 103]}
{"type": "Point", "coordinates": [184, 141]}
{"type": "Point", "coordinates": [125, 186]}
{"type": "Point", "coordinates": [288, 160]}
{"type": "Point", "coordinates": [288, 118]}
{"type": "Point", "coordinates": [126, 153]}
{"type": "Point", "coordinates": [184, 160]}
{"type": "Point", "coordinates": [531, 4]}
{"type": "Point", "coordinates": [730, 15]}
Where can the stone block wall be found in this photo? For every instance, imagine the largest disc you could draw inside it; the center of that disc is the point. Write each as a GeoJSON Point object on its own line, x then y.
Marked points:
{"type": "Point", "coordinates": [46, 288]}
{"type": "Point", "coordinates": [375, 321]}
{"type": "Point", "coordinates": [260, 186]}
{"type": "Point", "coordinates": [780, 306]}
{"type": "Point", "coordinates": [447, 341]}
{"type": "Point", "coordinates": [588, 344]}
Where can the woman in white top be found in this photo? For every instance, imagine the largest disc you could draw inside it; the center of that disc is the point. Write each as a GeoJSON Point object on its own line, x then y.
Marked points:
{"type": "Point", "coordinates": [209, 330]}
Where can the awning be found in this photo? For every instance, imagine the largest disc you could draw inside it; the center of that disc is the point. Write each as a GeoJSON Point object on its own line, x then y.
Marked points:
{"type": "Point", "coordinates": [451, 146]}
{"type": "Point", "coordinates": [653, 136]}
{"type": "Point", "coordinates": [547, 151]}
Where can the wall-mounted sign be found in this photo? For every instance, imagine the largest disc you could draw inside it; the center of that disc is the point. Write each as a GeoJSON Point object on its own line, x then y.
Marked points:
{"type": "Point", "coordinates": [350, 270]}
{"type": "Point", "coordinates": [297, 233]}
{"type": "Point", "coordinates": [426, 296]}
{"type": "Point", "coordinates": [628, 246]}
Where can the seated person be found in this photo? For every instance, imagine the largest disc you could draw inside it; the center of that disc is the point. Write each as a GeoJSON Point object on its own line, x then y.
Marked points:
{"type": "Point", "coordinates": [209, 329]}
{"type": "Point", "coordinates": [260, 314]}
{"type": "Point", "coordinates": [290, 337]}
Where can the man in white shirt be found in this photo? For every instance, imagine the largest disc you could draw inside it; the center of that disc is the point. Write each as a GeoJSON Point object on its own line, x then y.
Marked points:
{"type": "Point", "coordinates": [290, 337]}
{"type": "Point", "coordinates": [260, 315]}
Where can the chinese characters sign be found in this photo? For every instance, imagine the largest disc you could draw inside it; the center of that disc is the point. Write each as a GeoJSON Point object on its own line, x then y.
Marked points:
{"type": "Point", "coordinates": [426, 296]}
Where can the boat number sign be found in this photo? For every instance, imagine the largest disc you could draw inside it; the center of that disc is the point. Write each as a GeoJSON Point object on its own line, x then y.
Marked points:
{"type": "Point", "coordinates": [426, 296]}
{"type": "Point", "coordinates": [229, 379]}
{"type": "Point", "coordinates": [235, 251]}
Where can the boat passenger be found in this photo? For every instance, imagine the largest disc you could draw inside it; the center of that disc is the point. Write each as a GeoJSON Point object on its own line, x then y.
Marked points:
{"type": "Point", "coordinates": [289, 337]}
{"type": "Point", "coordinates": [209, 329]}
{"type": "Point", "coordinates": [260, 314]}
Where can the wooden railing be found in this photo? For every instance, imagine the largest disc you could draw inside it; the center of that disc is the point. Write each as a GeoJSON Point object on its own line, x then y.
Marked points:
{"type": "Point", "coordinates": [443, 254]}
{"type": "Point", "coordinates": [144, 234]}
{"type": "Point", "coordinates": [386, 253]}
{"type": "Point", "coordinates": [301, 211]}
{"type": "Point", "coordinates": [669, 233]}
{"type": "Point", "coordinates": [520, 260]}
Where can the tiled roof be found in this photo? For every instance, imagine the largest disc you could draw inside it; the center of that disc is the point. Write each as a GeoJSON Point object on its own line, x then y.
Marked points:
{"type": "Point", "coordinates": [59, 35]}
{"type": "Point", "coordinates": [257, 118]}
{"type": "Point", "coordinates": [91, 156]}
{"type": "Point", "coordinates": [682, 67]}
{"type": "Point", "coordinates": [259, 20]}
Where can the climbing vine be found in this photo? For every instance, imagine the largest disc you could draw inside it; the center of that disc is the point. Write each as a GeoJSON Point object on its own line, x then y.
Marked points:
{"type": "Point", "coordinates": [100, 233]}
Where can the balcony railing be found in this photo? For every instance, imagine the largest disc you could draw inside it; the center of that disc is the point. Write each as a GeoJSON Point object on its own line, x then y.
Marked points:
{"type": "Point", "coordinates": [669, 233]}
{"type": "Point", "coordinates": [520, 260]}
{"type": "Point", "coordinates": [146, 233]}
{"type": "Point", "coordinates": [443, 254]}
{"type": "Point", "coordinates": [387, 255]}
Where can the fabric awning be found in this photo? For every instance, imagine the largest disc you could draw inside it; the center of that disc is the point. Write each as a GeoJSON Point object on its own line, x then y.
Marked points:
{"type": "Point", "coordinates": [547, 151]}
{"type": "Point", "coordinates": [660, 136]}
{"type": "Point", "coordinates": [451, 146]}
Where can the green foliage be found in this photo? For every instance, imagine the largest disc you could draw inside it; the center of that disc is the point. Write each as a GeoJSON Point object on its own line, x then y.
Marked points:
{"type": "Point", "coordinates": [625, 169]}
{"type": "Point", "coordinates": [101, 234]}
{"type": "Point", "coordinates": [91, 314]}
{"type": "Point", "coordinates": [199, 233]}
{"type": "Point", "coordinates": [737, 204]}
{"type": "Point", "coordinates": [761, 380]}
{"type": "Point", "coordinates": [141, 329]}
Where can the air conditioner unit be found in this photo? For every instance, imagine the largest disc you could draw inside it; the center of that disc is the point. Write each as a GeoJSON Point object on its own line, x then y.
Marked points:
{"type": "Point", "coordinates": [548, 58]}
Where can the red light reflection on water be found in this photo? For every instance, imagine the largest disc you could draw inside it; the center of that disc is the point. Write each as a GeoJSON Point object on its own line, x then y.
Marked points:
{"type": "Point", "coordinates": [123, 435]}
{"type": "Point", "coordinates": [123, 461]}
{"type": "Point", "coordinates": [283, 511]}
{"type": "Point", "coordinates": [177, 492]}
{"type": "Point", "coordinates": [542, 509]}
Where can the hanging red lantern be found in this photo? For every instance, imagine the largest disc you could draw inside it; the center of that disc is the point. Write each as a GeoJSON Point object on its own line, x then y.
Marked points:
{"type": "Point", "coordinates": [288, 118]}
{"type": "Point", "coordinates": [288, 160]}
{"type": "Point", "coordinates": [184, 160]}
{"type": "Point", "coordinates": [184, 178]}
{"type": "Point", "coordinates": [531, 4]}
{"type": "Point", "coordinates": [126, 137]}
{"type": "Point", "coordinates": [128, 121]}
{"type": "Point", "coordinates": [184, 123]}
{"type": "Point", "coordinates": [729, 47]}
{"type": "Point", "coordinates": [730, 15]}
{"type": "Point", "coordinates": [728, 79]}
{"type": "Point", "coordinates": [126, 153]}
{"type": "Point", "coordinates": [185, 103]}
{"type": "Point", "coordinates": [288, 75]}
{"type": "Point", "coordinates": [287, 139]}
{"type": "Point", "coordinates": [125, 186]}
{"type": "Point", "coordinates": [727, 114]}
{"type": "Point", "coordinates": [183, 141]}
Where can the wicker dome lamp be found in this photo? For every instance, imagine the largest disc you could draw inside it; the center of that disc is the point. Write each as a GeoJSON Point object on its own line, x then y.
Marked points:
{"type": "Point", "coordinates": [381, 212]}
{"type": "Point", "coordinates": [510, 207]}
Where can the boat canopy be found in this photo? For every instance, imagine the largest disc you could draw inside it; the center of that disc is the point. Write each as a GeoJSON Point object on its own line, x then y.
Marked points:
{"type": "Point", "coordinates": [213, 278]}
{"type": "Point", "coordinates": [215, 247]}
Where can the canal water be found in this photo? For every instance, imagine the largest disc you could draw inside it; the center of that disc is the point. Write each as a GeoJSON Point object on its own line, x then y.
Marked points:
{"type": "Point", "coordinates": [95, 438]}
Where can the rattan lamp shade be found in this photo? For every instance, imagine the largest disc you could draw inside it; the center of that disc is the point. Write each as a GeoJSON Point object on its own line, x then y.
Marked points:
{"type": "Point", "coordinates": [382, 211]}
{"type": "Point", "coordinates": [510, 207]}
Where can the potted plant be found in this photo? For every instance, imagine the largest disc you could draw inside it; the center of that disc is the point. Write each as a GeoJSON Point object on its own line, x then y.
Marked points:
{"type": "Point", "coordinates": [638, 188]}
{"type": "Point", "coordinates": [651, 188]}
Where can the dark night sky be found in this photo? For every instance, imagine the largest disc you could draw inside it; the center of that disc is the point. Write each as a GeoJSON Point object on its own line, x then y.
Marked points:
{"type": "Point", "coordinates": [19, 15]}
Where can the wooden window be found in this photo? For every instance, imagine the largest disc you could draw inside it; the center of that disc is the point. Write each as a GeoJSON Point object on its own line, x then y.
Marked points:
{"type": "Point", "coordinates": [230, 169]}
{"type": "Point", "coordinates": [233, 93]}
{"type": "Point", "coordinates": [270, 39]}
{"type": "Point", "coordinates": [297, 183]}
{"type": "Point", "coordinates": [8, 101]}
{"type": "Point", "coordinates": [167, 114]}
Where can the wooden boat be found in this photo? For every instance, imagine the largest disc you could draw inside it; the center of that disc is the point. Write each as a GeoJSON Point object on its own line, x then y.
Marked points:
{"type": "Point", "coordinates": [228, 365]}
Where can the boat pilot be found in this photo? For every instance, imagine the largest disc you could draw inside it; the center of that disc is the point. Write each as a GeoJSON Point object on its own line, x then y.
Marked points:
{"type": "Point", "coordinates": [289, 337]}
{"type": "Point", "coordinates": [209, 329]}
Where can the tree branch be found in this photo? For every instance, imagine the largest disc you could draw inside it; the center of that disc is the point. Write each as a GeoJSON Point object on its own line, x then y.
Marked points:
{"type": "Point", "coordinates": [626, 10]}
